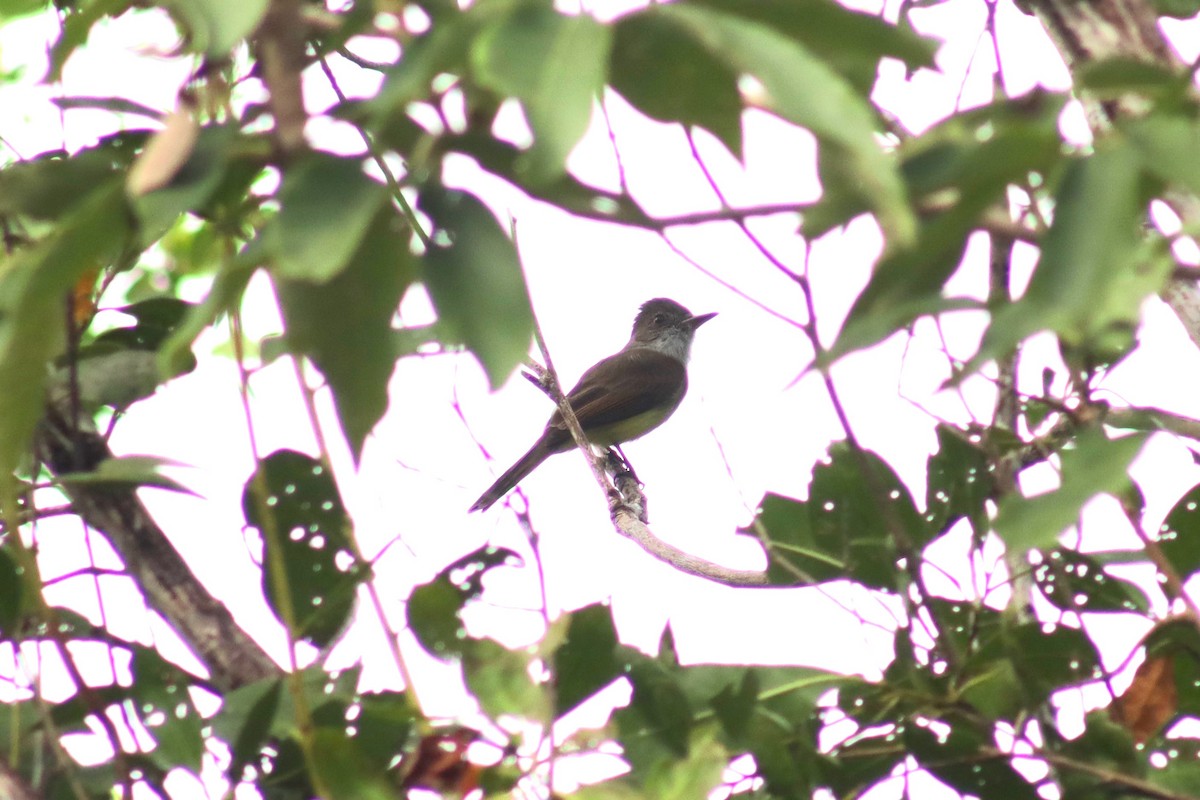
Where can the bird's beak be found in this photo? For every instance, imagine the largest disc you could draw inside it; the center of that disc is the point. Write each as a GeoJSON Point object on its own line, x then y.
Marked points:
{"type": "Point", "coordinates": [699, 319]}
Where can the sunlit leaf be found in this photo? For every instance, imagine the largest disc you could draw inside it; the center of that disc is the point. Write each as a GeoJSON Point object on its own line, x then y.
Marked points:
{"type": "Point", "coordinates": [327, 209]}
{"type": "Point", "coordinates": [32, 288]}
{"type": "Point", "coordinates": [666, 74]}
{"type": "Point", "coordinates": [216, 26]}
{"type": "Point", "coordinates": [555, 64]}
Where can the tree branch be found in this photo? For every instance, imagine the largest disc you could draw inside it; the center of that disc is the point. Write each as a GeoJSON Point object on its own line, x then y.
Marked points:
{"type": "Point", "coordinates": [1086, 31]}
{"type": "Point", "coordinates": [627, 509]}
{"type": "Point", "coordinates": [232, 657]}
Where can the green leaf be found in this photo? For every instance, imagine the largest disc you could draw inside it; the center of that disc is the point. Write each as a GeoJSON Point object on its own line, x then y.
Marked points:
{"type": "Point", "coordinates": [959, 482]}
{"type": "Point", "coordinates": [1179, 535]}
{"type": "Point", "coordinates": [1105, 745]}
{"type": "Point", "coordinates": [955, 758]}
{"type": "Point", "coordinates": [76, 28]}
{"type": "Point", "coordinates": [328, 206]}
{"type": "Point", "coordinates": [503, 159]}
{"type": "Point", "coordinates": [1050, 658]}
{"type": "Point", "coordinates": [475, 279]}
{"type": "Point", "coordinates": [32, 287]}
{"type": "Point", "coordinates": [50, 185]}
{"type": "Point", "coordinates": [611, 790]}
{"type": "Point", "coordinates": [343, 769]}
{"type": "Point", "coordinates": [1180, 9]}
{"type": "Point", "coordinates": [216, 26]}
{"type": "Point", "coordinates": [1076, 582]}
{"type": "Point", "coordinates": [696, 775]}
{"type": "Point", "coordinates": [1093, 466]}
{"type": "Point", "coordinates": [224, 295]}
{"type": "Point", "coordinates": [555, 65]}
{"type": "Point", "coordinates": [1175, 768]}
{"type": "Point", "coordinates": [383, 725]}
{"type": "Point", "coordinates": [294, 503]}
{"type": "Point", "coordinates": [845, 528]}
{"type": "Point", "coordinates": [1112, 77]}
{"type": "Point", "coordinates": [1088, 278]}
{"type": "Point", "coordinates": [588, 658]}
{"type": "Point", "coordinates": [442, 50]}
{"type": "Point", "coordinates": [969, 160]}
{"type": "Point", "coordinates": [10, 9]}
{"type": "Point", "coordinates": [1163, 142]}
{"type": "Point", "coordinates": [667, 75]}
{"type": "Point", "coordinates": [191, 186]}
{"type": "Point", "coordinates": [433, 608]}
{"type": "Point", "coordinates": [737, 695]}
{"type": "Point", "coordinates": [345, 324]}
{"type": "Point", "coordinates": [13, 601]}
{"type": "Point", "coordinates": [128, 472]}
{"type": "Point", "coordinates": [659, 710]}
{"type": "Point", "coordinates": [245, 720]}
{"type": "Point", "coordinates": [851, 42]}
{"type": "Point", "coordinates": [165, 707]}
{"type": "Point", "coordinates": [803, 89]}
{"type": "Point", "coordinates": [499, 679]}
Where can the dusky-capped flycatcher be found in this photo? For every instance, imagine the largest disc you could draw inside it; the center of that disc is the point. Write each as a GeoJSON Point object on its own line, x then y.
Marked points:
{"type": "Point", "coordinates": [622, 397]}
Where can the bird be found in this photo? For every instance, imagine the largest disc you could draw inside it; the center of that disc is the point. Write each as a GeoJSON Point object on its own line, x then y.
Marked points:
{"type": "Point", "coordinates": [622, 397]}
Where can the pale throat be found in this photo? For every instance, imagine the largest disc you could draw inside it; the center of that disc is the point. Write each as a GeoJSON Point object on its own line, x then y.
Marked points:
{"type": "Point", "coordinates": [673, 343]}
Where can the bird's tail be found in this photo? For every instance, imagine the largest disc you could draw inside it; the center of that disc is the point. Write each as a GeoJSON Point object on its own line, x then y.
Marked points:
{"type": "Point", "coordinates": [514, 475]}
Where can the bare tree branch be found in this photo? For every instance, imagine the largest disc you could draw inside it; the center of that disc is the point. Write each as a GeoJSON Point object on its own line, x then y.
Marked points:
{"type": "Point", "coordinates": [232, 657]}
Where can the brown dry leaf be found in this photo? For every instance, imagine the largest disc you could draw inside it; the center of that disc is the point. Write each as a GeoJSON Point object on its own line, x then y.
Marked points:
{"type": "Point", "coordinates": [1151, 700]}
{"type": "Point", "coordinates": [83, 299]}
{"type": "Point", "coordinates": [441, 764]}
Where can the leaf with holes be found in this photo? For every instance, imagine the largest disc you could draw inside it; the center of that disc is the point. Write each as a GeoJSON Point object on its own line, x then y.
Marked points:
{"type": "Point", "coordinates": [1179, 535]}
{"type": "Point", "coordinates": [1076, 582]}
{"type": "Point", "coordinates": [309, 575]}
{"type": "Point", "coordinates": [959, 483]}
{"type": "Point", "coordinates": [848, 528]}
{"type": "Point", "coordinates": [433, 608]}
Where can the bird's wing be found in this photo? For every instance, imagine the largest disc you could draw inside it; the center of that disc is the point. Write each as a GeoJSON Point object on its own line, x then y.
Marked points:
{"type": "Point", "coordinates": [625, 385]}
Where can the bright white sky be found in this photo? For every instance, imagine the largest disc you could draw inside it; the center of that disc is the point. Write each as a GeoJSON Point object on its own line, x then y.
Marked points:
{"type": "Point", "coordinates": [744, 429]}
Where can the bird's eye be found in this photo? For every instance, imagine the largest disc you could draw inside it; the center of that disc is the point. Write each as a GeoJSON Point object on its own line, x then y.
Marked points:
{"type": "Point", "coordinates": [659, 319]}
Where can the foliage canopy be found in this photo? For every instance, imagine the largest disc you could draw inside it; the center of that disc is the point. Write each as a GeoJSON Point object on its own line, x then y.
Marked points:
{"type": "Point", "coordinates": [226, 188]}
